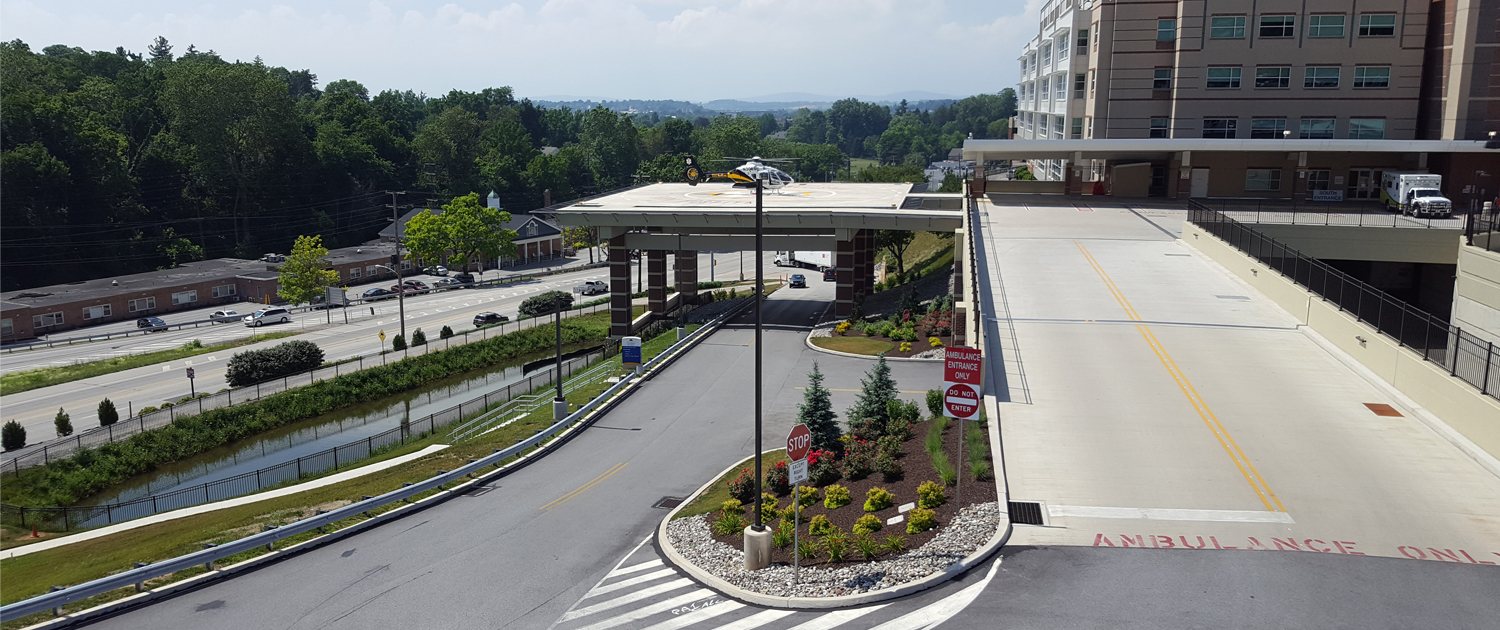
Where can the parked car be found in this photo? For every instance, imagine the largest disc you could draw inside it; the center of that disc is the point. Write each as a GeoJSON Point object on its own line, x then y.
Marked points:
{"type": "Point", "coordinates": [436, 270]}
{"type": "Point", "coordinates": [798, 281]}
{"type": "Point", "coordinates": [268, 316]}
{"type": "Point", "coordinates": [447, 283]}
{"type": "Point", "coordinates": [321, 302]}
{"type": "Point", "coordinates": [592, 287]}
{"type": "Point", "coordinates": [464, 277]}
{"type": "Point", "coordinates": [224, 316]}
{"type": "Point", "coordinates": [377, 294]}
{"type": "Point", "coordinates": [403, 288]}
{"type": "Point", "coordinates": [151, 324]}
{"type": "Point", "coordinates": [830, 275]}
{"type": "Point", "coordinates": [415, 284]}
{"type": "Point", "coordinates": [489, 319]}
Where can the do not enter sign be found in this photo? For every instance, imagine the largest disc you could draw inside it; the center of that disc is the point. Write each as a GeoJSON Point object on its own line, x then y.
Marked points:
{"type": "Point", "coordinates": [960, 401]}
{"type": "Point", "coordinates": [798, 442]}
{"type": "Point", "coordinates": [963, 372]}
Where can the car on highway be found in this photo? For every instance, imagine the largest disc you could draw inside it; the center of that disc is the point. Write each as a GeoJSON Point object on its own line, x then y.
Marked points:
{"type": "Point", "coordinates": [151, 324]}
{"type": "Point", "coordinates": [798, 281]}
{"type": "Point", "coordinates": [436, 270]}
{"type": "Point", "coordinates": [489, 318]}
{"type": "Point", "coordinates": [377, 294]}
{"type": "Point", "coordinates": [224, 316]}
{"type": "Point", "coordinates": [321, 302]}
{"type": "Point", "coordinates": [464, 277]}
{"type": "Point", "coordinates": [448, 283]}
{"type": "Point", "coordinates": [268, 316]}
{"type": "Point", "coordinates": [592, 287]}
{"type": "Point", "coordinates": [830, 275]}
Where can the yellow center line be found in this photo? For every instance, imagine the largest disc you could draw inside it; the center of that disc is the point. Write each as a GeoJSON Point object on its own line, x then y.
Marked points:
{"type": "Point", "coordinates": [1226, 441]}
{"type": "Point", "coordinates": [564, 499]}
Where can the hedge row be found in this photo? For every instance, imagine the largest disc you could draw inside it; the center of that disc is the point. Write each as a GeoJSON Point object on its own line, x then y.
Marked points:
{"type": "Point", "coordinates": [285, 359]}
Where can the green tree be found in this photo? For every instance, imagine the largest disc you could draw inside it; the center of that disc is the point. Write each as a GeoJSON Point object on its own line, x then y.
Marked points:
{"type": "Point", "coordinates": [107, 413]}
{"type": "Point", "coordinates": [178, 249]}
{"type": "Point", "coordinates": [305, 274]}
{"type": "Point", "coordinates": [12, 436]}
{"type": "Point", "coordinates": [854, 121]}
{"type": "Point", "coordinates": [160, 50]}
{"type": "Point", "coordinates": [895, 243]}
{"type": "Point", "coordinates": [877, 389]}
{"type": "Point", "coordinates": [816, 411]}
{"type": "Point", "coordinates": [449, 149]}
{"type": "Point", "coordinates": [418, 338]}
{"type": "Point", "coordinates": [466, 230]}
{"type": "Point", "coordinates": [952, 183]}
{"type": "Point", "coordinates": [907, 173]}
{"type": "Point", "coordinates": [63, 423]}
{"type": "Point", "coordinates": [546, 304]}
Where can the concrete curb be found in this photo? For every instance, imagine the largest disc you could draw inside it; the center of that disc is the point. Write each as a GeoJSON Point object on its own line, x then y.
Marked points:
{"type": "Point", "coordinates": [808, 340]}
{"type": "Point", "coordinates": [677, 561]}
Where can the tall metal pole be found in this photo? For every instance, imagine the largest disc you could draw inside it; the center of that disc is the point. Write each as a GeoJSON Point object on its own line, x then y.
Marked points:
{"type": "Point", "coordinates": [557, 312]}
{"type": "Point", "coordinates": [760, 287]}
{"type": "Point", "coordinates": [396, 262]}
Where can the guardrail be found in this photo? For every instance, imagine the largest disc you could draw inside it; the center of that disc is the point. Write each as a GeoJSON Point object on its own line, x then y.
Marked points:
{"type": "Point", "coordinates": [1353, 214]}
{"type": "Point", "coordinates": [1463, 355]}
{"type": "Point", "coordinates": [1483, 231]}
{"type": "Point", "coordinates": [57, 599]}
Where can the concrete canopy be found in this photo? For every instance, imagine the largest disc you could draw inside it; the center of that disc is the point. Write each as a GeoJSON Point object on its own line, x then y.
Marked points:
{"type": "Point", "coordinates": [1147, 148]}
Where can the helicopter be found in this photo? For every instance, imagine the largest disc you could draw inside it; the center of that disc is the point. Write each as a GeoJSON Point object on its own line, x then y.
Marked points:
{"type": "Point", "coordinates": [744, 175]}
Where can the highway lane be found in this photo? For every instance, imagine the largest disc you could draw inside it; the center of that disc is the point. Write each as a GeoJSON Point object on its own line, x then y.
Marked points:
{"type": "Point", "coordinates": [154, 384]}
{"type": "Point", "coordinates": [519, 555]}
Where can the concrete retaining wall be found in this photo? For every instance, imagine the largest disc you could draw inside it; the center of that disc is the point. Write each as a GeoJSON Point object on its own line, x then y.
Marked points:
{"type": "Point", "coordinates": [1476, 297]}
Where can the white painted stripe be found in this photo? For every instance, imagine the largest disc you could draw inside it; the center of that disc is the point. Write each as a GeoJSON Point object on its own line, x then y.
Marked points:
{"type": "Point", "coordinates": [757, 620]}
{"type": "Point", "coordinates": [640, 579]}
{"type": "Point", "coordinates": [626, 599]}
{"type": "Point", "coordinates": [1163, 514]}
{"type": "Point", "coordinates": [633, 568]}
{"type": "Point", "coordinates": [683, 621]}
{"type": "Point", "coordinates": [942, 610]}
{"type": "Point", "coordinates": [837, 618]}
{"type": "Point", "coordinates": [642, 613]}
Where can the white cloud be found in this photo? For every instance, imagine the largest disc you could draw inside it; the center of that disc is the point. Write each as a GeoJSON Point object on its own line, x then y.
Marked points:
{"type": "Point", "coordinates": [613, 48]}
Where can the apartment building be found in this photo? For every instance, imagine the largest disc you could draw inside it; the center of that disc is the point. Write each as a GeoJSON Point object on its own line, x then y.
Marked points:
{"type": "Point", "coordinates": [1050, 96]}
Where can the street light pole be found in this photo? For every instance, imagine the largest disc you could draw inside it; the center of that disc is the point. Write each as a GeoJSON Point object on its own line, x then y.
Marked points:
{"type": "Point", "coordinates": [559, 404]}
{"type": "Point", "coordinates": [396, 262]}
{"type": "Point", "coordinates": [760, 287]}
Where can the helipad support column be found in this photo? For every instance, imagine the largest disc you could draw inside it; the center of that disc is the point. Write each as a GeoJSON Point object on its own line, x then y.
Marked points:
{"type": "Point", "coordinates": [687, 276]}
{"type": "Point", "coordinates": [843, 261]}
{"type": "Point", "coordinates": [860, 265]}
{"type": "Point", "coordinates": [870, 255]}
{"type": "Point", "coordinates": [619, 287]}
{"type": "Point", "coordinates": [656, 281]}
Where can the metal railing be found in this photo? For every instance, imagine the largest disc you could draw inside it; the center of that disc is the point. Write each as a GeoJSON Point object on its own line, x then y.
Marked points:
{"type": "Point", "coordinates": [1483, 230]}
{"type": "Point", "coordinates": [1349, 213]}
{"type": "Point", "coordinates": [125, 579]}
{"type": "Point", "coordinates": [66, 518]}
{"type": "Point", "coordinates": [1462, 354]}
{"type": "Point", "coordinates": [41, 454]}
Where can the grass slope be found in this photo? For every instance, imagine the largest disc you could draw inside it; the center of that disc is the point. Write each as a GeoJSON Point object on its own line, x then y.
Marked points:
{"type": "Point", "coordinates": [17, 382]}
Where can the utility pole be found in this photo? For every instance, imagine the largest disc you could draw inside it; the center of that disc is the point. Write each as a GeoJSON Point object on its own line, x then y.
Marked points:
{"type": "Point", "coordinates": [559, 404]}
{"type": "Point", "coordinates": [396, 262]}
{"type": "Point", "coordinates": [758, 537]}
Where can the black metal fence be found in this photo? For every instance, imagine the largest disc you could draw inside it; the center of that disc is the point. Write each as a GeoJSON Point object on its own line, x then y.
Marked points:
{"type": "Point", "coordinates": [1347, 213]}
{"type": "Point", "coordinates": [68, 518]}
{"type": "Point", "coordinates": [1460, 353]}
{"type": "Point", "coordinates": [1483, 230]}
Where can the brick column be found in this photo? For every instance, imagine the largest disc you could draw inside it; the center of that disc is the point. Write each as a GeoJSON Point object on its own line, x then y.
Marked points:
{"type": "Point", "coordinates": [619, 288]}
{"type": "Point", "coordinates": [687, 276]}
{"type": "Point", "coordinates": [871, 253]}
{"type": "Point", "coordinates": [859, 266]}
{"type": "Point", "coordinates": [656, 281]}
{"type": "Point", "coordinates": [843, 261]}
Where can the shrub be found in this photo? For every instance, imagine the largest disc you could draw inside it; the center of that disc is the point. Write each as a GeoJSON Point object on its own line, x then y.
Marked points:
{"type": "Point", "coordinates": [730, 523]}
{"type": "Point", "coordinates": [920, 520]}
{"type": "Point", "coordinates": [418, 338]}
{"type": "Point", "coordinates": [931, 495]}
{"type": "Point", "coordinates": [978, 450]}
{"type": "Point", "coordinates": [167, 405]}
{"type": "Point", "coordinates": [807, 549]}
{"type": "Point", "coordinates": [807, 496]}
{"type": "Point", "coordinates": [546, 304]}
{"type": "Point", "coordinates": [742, 487]}
{"type": "Point", "coordinates": [12, 436]}
{"type": "Point", "coordinates": [934, 403]}
{"type": "Point", "coordinates": [935, 342]}
{"type": "Point", "coordinates": [934, 442]}
{"type": "Point", "coordinates": [980, 470]}
{"type": "Point", "coordinates": [733, 505]}
{"type": "Point", "coordinates": [820, 526]}
{"type": "Point", "coordinates": [878, 499]}
{"type": "Point", "coordinates": [944, 468]}
{"type": "Point", "coordinates": [63, 422]}
{"type": "Point", "coordinates": [768, 511]}
{"type": "Point", "coordinates": [790, 516]}
{"type": "Point", "coordinates": [836, 545]}
{"type": "Point", "coordinates": [842, 328]}
{"type": "Point", "coordinates": [879, 286]}
{"type": "Point", "coordinates": [836, 496]}
{"type": "Point", "coordinates": [107, 413]}
{"type": "Point", "coordinates": [902, 415]}
{"type": "Point", "coordinates": [398, 343]}
{"type": "Point", "coordinates": [147, 409]}
{"type": "Point", "coordinates": [889, 467]}
{"type": "Point", "coordinates": [778, 479]}
{"type": "Point", "coordinates": [783, 535]}
{"type": "Point", "coordinates": [255, 366]}
{"type": "Point", "coordinates": [867, 546]}
{"type": "Point", "coordinates": [859, 462]}
{"type": "Point", "coordinates": [867, 524]}
{"type": "Point", "coordinates": [895, 543]}
{"type": "Point", "coordinates": [905, 346]}
{"type": "Point", "coordinates": [446, 332]}
{"type": "Point", "coordinates": [822, 468]}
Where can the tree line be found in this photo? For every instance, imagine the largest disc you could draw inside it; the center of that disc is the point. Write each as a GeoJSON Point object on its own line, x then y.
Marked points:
{"type": "Point", "coordinates": [119, 162]}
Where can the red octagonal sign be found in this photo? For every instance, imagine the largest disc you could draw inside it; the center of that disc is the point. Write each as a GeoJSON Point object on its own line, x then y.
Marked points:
{"type": "Point", "coordinates": [962, 401]}
{"type": "Point", "coordinates": [798, 442]}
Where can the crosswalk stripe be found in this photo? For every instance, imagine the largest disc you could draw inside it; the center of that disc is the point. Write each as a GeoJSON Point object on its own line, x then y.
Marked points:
{"type": "Point", "coordinates": [633, 568]}
{"type": "Point", "coordinates": [626, 599]}
{"type": "Point", "coordinates": [757, 620]}
{"type": "Point", "coordinates": [642, 613]}
{"type": "Point", "coordinates": [654, 575]}
{"type": "Point", "coordinates": [837, 618]}
{"type": "Point", "coordinates": [937, 612]}
{"type": "Point", "coordinates": [696, 616]}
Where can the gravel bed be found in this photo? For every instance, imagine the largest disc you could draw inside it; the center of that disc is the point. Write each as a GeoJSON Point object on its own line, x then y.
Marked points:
{"type": "Point", "coordinates": [973, 527]}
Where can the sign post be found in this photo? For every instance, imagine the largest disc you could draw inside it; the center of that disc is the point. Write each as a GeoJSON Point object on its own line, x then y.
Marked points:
{"type": "Point", "coordinates": [191, 387]}
{"type": "Point", "coordinates": [963, 387]}
{"type": "Point", "coordinates": [630, 352]}
{"type": "Point", "coordinates": [798, 443]}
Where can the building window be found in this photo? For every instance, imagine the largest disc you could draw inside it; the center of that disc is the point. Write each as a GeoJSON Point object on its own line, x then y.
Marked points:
{"type": "Point", "coordinates": [1023, 67]}
{"type": "Point", "coordinates": [47, 319]}
{"type": "Point", "coordinates": [1083, 42]}
{"type": "Point", "coordinates": [1317, 179]}
{"type": "Point", "coordinates": [186, 297]}
{"type": "Point", "coordinates": [1220, 127]}
{"type": "Point", "coordinates": [1316, 128]}
{"type": "Point", "coordinates": [1273, 77]}
{"type": "Point", "coordinates": [1223, 78]}
{"type": "Point", "coordinates": [1377, 25]}
{"type": "Point", "coordinates": [1262, 179]}
{"type": "Point", "coordinates": [1090, 129]}
{"type": "Point", "coordinates": [1093, 81]}
{"type": "Point", "coordinates": [1160, 127]}
{"type": "Point", "coordinates": [1277, 25]}
{"type": "Point", "coordinates": [1062, 47]}
{"type": "Point", "coordinates": [225, 290]}
{"type": "Point", "coordinates": [1041, 126]}
{"type": "Point", "coordinates": [1166, 30]}
{"type": "Point", "coordinates": [95, 312]}
{"type": "Point", "coordinates": [1046, 89]}
{"type": "Point", "coordinates": [372, 271]}
{"type": "Point", "coordinates": [1325, 26]}
{"type": "Point", "coordinates": [1230, 27]}
{"type": "Point", "coordinates": [7, 327]}
{"type": "Point", "coordinates": [1372, 76]}
{"type": "Point", "coordinates": [1366, 128]}
{"type": "Point", "coordinates": [1078, 83]}
{"type": "Point", "coordinates": [1047, 54]}
{"type": "Point", "coordinates": [1267, 128]}
{"type": "Point", "coordinates": [142, 304]}
{"type": "Point", "coordinates": [1320, 77]}
{"type": "Point", "coordinates": [406, 265]}
{"type": "Point", "coordinates": [1077, 128]}
{"type": "Point", "coordinates": [1057, 126]}
{"type": "Point", "coordinates": [354, 273]}
{"type": "Point", "coordinates": [1161, 79]}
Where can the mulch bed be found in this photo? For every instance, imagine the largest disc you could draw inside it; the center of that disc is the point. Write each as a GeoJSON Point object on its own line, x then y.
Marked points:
{"type": "Point", "coordinates": [918, 468]}
{"type": "Point", "coordinates": [919, 346]}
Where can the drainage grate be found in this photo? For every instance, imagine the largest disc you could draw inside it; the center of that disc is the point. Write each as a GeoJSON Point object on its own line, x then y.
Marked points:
{"type": "Point", "coordinates": [1232, 297]}
{"type": "Point", "coordinates": [667, 503]}
{"type": "Point", "coordinates": [1026, 513]}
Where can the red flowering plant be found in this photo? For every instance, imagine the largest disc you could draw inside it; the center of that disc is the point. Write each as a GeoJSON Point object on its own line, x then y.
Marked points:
{"type": "Point", "coordinates": [822, 467]}
{"type": "Point", "coordinates": [859, 460]}
{"type": "Point", "coordinates": [778, 479]}
{"type": "Point", "coordinates": [742, 487]}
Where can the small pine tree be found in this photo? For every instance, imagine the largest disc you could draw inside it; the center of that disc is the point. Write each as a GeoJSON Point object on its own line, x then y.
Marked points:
{"type": "Point", "coordinates": [418, 338]}
{"type": "Point", "coordinates": [398, 343]}
{"type": "Point", "coordinates": [12, 436]}
{"type": "Point", "coordinates": [876, 390]}
{"type": "Point", "coordinates": [63, 422]}
{"type": "Point", "coordinates": [107, 413]}
{"type": "Point", "coordinates": [446, 332]}
{"type": "Point", "coordinates": [816, 411]}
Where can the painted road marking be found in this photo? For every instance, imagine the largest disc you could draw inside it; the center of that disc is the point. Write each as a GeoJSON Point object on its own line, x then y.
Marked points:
{"type": "Point", "coordinates": [1290, 543]}
{"type": "Point", "coordinates": [757, 620]}
{"type": "Point", "coordinates": [698, 615]}
{"type": "Point", "coordinates": [633, 568]}
{"type": "Point", "coordinates": [837, 618]}
{"type": "Point", "coordinates": [639, 579]}
{"type": "Point", "coordinates": [1247, 469]}
{"type": "Point", "coordinates": [647, 611]}
{"type": "Point", "coordinates": [942, 610]}
{"type": "Point", "coordinates": [1164, 514]}
{"type": "Point", "coordinates": [564, 499]}
{"type": "Point", "coordinates": [626, 599]}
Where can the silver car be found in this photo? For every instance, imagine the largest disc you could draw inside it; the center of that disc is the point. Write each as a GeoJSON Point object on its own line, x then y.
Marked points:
{"type": "Point", "coordinates": [268, 316]}
{"type": "Point", "coordinates": [224, 316]}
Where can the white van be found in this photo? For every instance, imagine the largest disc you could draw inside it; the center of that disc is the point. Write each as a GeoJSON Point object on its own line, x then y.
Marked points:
{"type": "Point", "coordinates": [268, 316]}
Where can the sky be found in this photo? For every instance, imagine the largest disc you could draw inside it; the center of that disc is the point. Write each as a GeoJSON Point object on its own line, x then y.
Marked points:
{"type": "Point", "coordinates": [694, 50]}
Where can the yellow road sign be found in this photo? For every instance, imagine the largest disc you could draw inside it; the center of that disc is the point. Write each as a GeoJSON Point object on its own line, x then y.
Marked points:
{"type": "Point", "coordinates": [382, 335]}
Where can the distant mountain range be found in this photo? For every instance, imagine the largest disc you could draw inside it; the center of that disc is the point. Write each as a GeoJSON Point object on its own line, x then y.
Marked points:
{"type": "Point", "coordinates": [782, 102]}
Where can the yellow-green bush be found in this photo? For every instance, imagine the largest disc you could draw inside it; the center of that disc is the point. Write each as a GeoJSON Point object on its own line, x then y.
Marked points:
{"type": "Point", "coordinates": [878, 499]}
{"type": "Point", "coordinates": [920, 520]}
{"type": "Point", "coordinates": [867, 524]}
{"type": "Point", "coordinates": [836, 496]}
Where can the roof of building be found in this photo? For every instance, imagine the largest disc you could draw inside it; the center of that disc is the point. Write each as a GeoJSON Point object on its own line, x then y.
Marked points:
{"type": "Point", "coordinates": [1124, 148]}
{"type": "Point", "coordinates": [361, 253]}
{"type": "Point", "coordinates": [517, 220]}
{"type": "Point", "coordinates": [802, 206]}
{"type": "Point", "coordinates": [102, 288]}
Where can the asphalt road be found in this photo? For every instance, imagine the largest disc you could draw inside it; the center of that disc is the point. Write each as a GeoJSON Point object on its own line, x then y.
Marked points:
{"type": "Point", "coordinates": [154, 384]}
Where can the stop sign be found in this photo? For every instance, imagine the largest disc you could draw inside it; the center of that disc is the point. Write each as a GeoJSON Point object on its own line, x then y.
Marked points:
{"type": "Point", "coordinates": [961, 401]}
{"type": "Point", "coordinates": [798, 442]}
